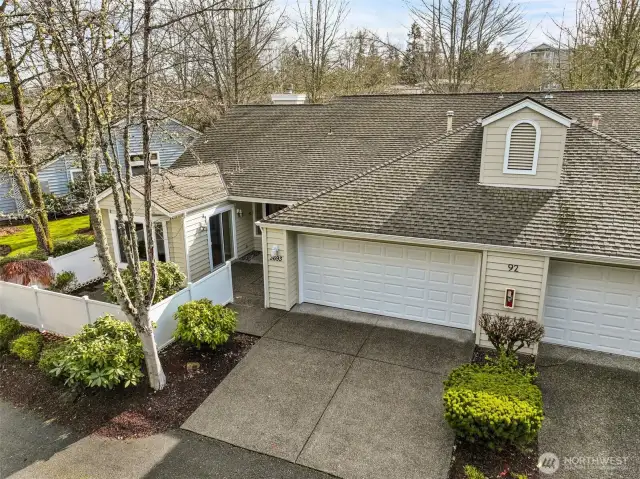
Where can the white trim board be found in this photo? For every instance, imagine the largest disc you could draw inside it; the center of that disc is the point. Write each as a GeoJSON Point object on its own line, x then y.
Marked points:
{"type": "Point", "coordinates": [527, 103]}
{"type": "Point", "coordinates": [585, 257]}
{"type": "Point", "coordinates": [248, 199]}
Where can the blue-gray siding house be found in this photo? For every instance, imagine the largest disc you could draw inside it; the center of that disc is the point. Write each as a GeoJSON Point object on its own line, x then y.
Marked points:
{"type": "Point", "coordinates": [169, 139]}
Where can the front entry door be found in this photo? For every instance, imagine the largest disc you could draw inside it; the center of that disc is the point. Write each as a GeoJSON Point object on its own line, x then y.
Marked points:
{"type": "Point", "coordinates": [221, 238]}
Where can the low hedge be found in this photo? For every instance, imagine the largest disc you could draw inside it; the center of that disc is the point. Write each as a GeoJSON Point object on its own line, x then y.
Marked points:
{"type": "Point", "coordinates": [27, 346]}
{"type": "Point", "coordinates": [61, 248]}
{"type": "Point", "coordinates": [492, 406]}
{"type": "Point", "coordinates": [9, 329]}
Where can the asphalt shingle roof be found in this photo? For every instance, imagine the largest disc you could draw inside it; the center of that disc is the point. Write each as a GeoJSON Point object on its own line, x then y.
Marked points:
{"type": "Point", "coordinates": [178, 189]}
{"type": "Point", "coordinates": [434, 193]}
{"type": "Point", "coordinates": [292, 152]}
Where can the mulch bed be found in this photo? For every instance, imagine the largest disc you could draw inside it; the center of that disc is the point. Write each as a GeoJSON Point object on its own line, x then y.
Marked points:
{"type": "Point", "coordinates": [494, 464]}
{"type": "Point", "coordinates": [125, 412]}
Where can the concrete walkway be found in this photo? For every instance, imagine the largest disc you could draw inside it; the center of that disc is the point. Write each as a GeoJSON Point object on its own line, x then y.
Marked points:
{"type": "Point", "coordinates": [592, 412]}
{"type": "Point", "coordinates": [31, 448]}
{"type": "Point", "coordinates": [354, 396]}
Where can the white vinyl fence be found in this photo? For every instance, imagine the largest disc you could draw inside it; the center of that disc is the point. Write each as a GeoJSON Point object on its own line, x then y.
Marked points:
{"type": "Point", "coordinates": [64, 314]}
{"type": "Point", "coordinates": [83, 262]}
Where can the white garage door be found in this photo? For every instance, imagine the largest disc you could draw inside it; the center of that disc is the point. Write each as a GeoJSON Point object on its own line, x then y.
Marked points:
{"type": "Point", "coordinates": [593, 307]}
{"type": "Point", "coordinates": [422, 284]}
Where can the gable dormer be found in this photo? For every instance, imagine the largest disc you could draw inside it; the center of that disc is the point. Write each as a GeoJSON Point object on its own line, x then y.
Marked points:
{"type": "Point", "coordinates": [523, 145]}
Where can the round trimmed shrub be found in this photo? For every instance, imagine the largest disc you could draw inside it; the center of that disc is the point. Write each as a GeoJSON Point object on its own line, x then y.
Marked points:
{"type": "Point", "coordinates": [201, 322]}
{"type": "Point", "coordinates": [170, 281]}
{"type": "Point", "coordinates": [103, 354]}
{"type": "Point", "coordinates": [9, 329]}
{"type": "Point", "coordinates": [27, 346]}
{"type": "Point", "coordinates": [492, 406]}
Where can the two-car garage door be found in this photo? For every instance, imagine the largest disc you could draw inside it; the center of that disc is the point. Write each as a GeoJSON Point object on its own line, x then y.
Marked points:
{"type": "Point", "coordinates": [593, 307]}
{"type": "Point", "coordinates": [422, 284]}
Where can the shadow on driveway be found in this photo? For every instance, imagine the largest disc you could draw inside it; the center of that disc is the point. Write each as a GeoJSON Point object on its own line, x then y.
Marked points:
{"type": "Point", "coordinates": [592, 412]}
{"type": "Point", "coordinates": [26, 439]}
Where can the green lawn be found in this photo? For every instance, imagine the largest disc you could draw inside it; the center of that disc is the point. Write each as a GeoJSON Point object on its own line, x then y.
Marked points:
{"type": "Point", "coordinates": [24, 241]}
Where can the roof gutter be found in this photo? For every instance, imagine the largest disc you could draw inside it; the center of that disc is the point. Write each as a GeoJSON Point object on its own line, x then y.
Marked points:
{"type": "Point", "coordinates": [587, 257]}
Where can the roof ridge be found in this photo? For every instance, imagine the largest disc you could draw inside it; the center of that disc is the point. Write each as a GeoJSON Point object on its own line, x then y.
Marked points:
{"type": "Point", "coordinates": [610, 138]}
{"type": "Point", "coordinates": [494, 92]}
{"type": "Point", "coordinates": [368, 171]}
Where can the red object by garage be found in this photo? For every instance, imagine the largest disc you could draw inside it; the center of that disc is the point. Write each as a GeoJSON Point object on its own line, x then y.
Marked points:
{"type": "Point", "coordinates": [509, 298]}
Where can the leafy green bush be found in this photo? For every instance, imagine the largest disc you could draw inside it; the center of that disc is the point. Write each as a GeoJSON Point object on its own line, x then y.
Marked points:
{"type": "Point", "coordinates": [27, 346]}
{"type": "Point", "coordinates": [57, 205]}
{"type": "Point", "coordinates": [473, 472]}
{"type": "Point", "coordinates": [103, 354]}
{"type": "Point", "coordinates": [9, 329]}
{"type": "Point", "coordinates": [490, 405]}
{"type": "Point", "coordinates": [64, 282]}
{"type": "Point", "coordinates": [202, 322]}
{"type": "Point", "coordinates": [170, 281]}
{"type": "Point", "coordinates": [69, 246]}
{"type": "Point", "coordinates": [508, 334]}
{"type": "Point", "coordinates": [78, 189]}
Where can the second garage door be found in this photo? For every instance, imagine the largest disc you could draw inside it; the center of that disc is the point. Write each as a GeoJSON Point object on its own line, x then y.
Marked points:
{"type": "Point", "coordinates": [422, 284]}
{"type": "Point", "coordinates": [593, 307]}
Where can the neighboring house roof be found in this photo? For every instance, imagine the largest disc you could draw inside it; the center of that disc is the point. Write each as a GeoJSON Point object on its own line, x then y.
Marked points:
{"type": "Point", "coordinates": [434, 193]}
{"type": "Point", "coordinates": [292, 152]}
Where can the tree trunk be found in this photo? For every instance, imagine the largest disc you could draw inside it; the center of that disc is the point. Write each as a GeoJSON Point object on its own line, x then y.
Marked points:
{"type": "Point", "coordinates": [157, 379]}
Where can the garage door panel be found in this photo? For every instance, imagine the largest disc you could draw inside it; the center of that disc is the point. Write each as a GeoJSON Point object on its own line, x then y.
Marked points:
{"type": "Point", "coordinates": [424, 284]}
{"type": "Point", "coordinates": [417, 254]}
{"type": "Point", "coordinates": [585, 308]}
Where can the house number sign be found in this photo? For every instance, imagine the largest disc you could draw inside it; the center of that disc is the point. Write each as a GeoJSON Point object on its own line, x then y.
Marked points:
{"type": "Point", "coordinates": [513, 267]}
{"type": "Point", "coordinates": [275, 258]}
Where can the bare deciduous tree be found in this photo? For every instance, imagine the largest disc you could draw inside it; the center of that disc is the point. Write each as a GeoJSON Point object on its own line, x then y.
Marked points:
{"type": "Point", "coordinates": [318, 25]}
{"type": "Point", "coordinates": [467, 36]}
{"type": "Point", "coordinates": [603, 45]}
{"type": "Point", "coordinates": [23, 158]}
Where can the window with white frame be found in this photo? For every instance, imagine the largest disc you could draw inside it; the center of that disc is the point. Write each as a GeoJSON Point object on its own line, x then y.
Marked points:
{"type": "Point", "coordinates": [522, 148]}
{"type": "Point", "coordinates": [137, 162]}
{"type": "Point", "coordinates": [159, 236]}
{"type": "Point", "coordinates": [76, 175]}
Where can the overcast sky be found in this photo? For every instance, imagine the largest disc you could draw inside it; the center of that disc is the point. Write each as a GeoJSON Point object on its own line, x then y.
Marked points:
{"type": "Point", "coordinates": [392, 17]}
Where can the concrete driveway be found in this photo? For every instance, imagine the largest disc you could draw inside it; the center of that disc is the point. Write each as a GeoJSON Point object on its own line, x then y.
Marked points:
{"type": "Point", "coordinates": [357, 398]}
{"type": "Point", "coordinates": [592, 413]}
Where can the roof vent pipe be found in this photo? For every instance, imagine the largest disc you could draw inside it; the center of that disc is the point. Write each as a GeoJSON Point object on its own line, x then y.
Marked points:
{"type": "Point", "coordinates": [595, 123]}
{"type": "Point", "coordinates": [449, 121]}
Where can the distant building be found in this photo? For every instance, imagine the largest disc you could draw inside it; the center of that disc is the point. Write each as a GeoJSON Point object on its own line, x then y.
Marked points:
{"type": "Point", "coordinates": [553, 59]}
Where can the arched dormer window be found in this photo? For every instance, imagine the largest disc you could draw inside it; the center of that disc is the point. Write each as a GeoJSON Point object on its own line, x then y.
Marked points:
{"type": "Point", "coordinates": [522, 147]}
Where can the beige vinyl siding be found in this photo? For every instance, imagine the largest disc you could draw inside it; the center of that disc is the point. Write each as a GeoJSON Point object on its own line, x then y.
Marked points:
{"type": "Point", "coordinates": [291, 245]}
{"type": "Point", "coordinates": [244, 229]}
{"type": "Point", "coordinates": [175, 233]}
{"type": "Point", "coordinates": [552, 140]}
{"type": "Point", "coordinates": [106, 222]}
{"type": "Point", "coordinates": [197, 243]}
{"type": "Point", "coordinates": [257, 243]}
{"type": "Point", "coordinates": [276, 274]}
{"type": "Point", "coordinates": [529, 282]}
